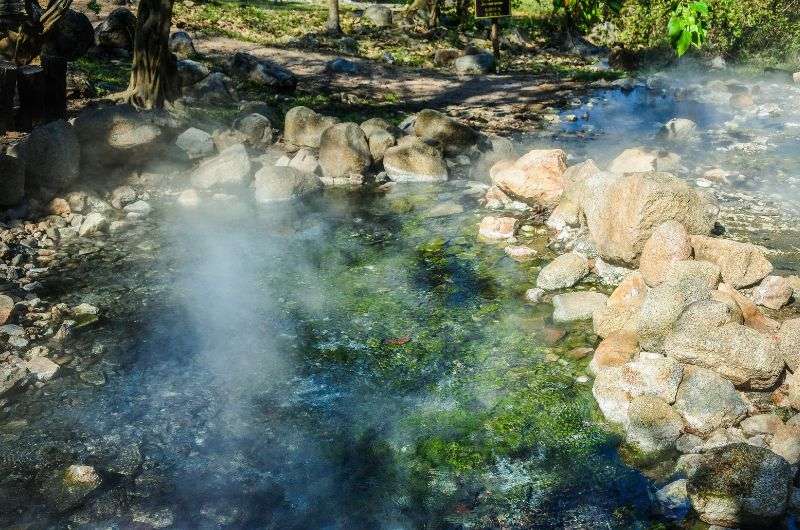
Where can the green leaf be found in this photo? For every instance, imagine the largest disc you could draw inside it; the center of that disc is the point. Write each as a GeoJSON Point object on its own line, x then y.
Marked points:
{"type": "Point", "coordinates": [683, 43]}
{"type": "Point", "coordinates": [674, 27]}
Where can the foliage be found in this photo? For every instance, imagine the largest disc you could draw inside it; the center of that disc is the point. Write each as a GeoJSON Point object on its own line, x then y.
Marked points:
{"type": "Point", "coordinates": [688, 26]}
{"type": "Point", "coordinates": [582, 14]}
{"type": "Point", "coordinates": [94, 6]}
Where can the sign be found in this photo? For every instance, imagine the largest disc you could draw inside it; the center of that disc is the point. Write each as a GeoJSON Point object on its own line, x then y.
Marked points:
{"type": "Point", "coordinates": [492, 8]}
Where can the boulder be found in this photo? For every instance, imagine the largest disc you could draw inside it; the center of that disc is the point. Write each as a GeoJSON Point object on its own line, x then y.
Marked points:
{"type": "Point", "coordinates": [262, 72]}
{"type": "Point", "coordinates": [494, 229]}
{"type": "Point", "coordinates": [786, 443]}
{"type": "Point", "coordinates": [571, 307]}
{"type": "Point", "coordinates": [451, 136]}
{"type": "Point", "coordinates": [68, 488]}
{"type": "Point", "coordinates": [6, 309]}
{"type": "Point", "coordinates": [741, 264]}
{"type": "Point", "coordinates": [789, 343]}
{"type": "Point", "coordinates": [445, 56]}
{"type": "Point", "coordinates": [256, 128]}
{"type": "Point", "coordinates": [673, 500]}
{"type": "Point", "coordinates": [696, 280]}
{"type": "Point", "coordinates": [615, 387]}
{"type": "Point", "coordinates": [670, 242]}
{"type": "Point", "coordinates": [92, 224]}
{"type": "Point", "coordinates": [678, 129]}
{"type": "Point", "coordinates": [773, 292]}
{"type": "Point", "coordinates": [478, 64]}
{"type": "Point", "coordinates": [283, 183]}
{"type": "Point", "coordinates": [379, 125]}
{"type": "Point", "coordinates": [615, 350]}
{"type": "Point", "coordinates": [12, 180]}
{"type": "Point", "coordinates": [741, 354]}
{"type": "Point", "coordinates": [751, 315]}
{"type": "Point", "coordinates": [536, 178]}
{"type": "Point", "coordinates": [230, 168]}
{"type": "Point", "coordinates": [116, 135]}
{"type": "Point", "coordinates": [761, 424]}
{"type": "Point", "coordinates": [344, 150]}
{"type": "Point", "coordinates": [378, 15]}
{"type": "Point", "coordinates": [117, 30]}
{"type": "Point", "coordinates": [641, 160]}
{"type": "Point", "coordinates": [415, 161]}
{"type": "Point", "coordinates": [304, 127]}
{"type": "Point", "coordinates": [340, 65]}
{"type": "Point", "coordinates": [305, 161]}
{"type": "Point", "coordinates": [563, 272]}
{"type": "Point", "coordinates": [71, 37]}
{"type": "Point", "coordinates": [192, 72]}
{"type": "Point", "coordinates": [622, 310]}
{"type": "Point", "coordinates": [659, 311]}
{"type": "Point", "coordinates": [214, 89]}
{"type": "Point", "coordinates": [635, 205]}
{"type": "Point", "coordinates": [740, 485]}
{"type": "Point", "coordinates": [653, 426]}
{"type": "Point", "coordinates": [707, 401]}
{"type": "Point", "coordinates": [195, 143]}
{"type": "Point", "coordinates": [182, 45]}
{"type": "Point", "coordinates": [379, 142]}
{"type": "Point", "coordinates": [122, 196]}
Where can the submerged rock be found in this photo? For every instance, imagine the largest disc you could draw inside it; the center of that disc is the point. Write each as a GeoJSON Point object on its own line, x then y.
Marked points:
{"type": "Point", "coordinates": [493, 228]}
{"type": "Point", "coordinates": [570, 307]}
{"type": "Point", "coordinates": [563, 272]}
{"type": "Point", "coordinates": [68, 488]}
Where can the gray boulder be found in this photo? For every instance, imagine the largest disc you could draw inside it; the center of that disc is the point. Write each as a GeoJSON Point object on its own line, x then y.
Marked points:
{"type": "Point", "coordinates": [344, 150]}
{"type": "Point", "coordinates": [117, 135]}
{"type": "Point", "coordinates": [283, 183]}
{"type": "Point", "coordinates": [563, 272]}
{"type": "Point", "coordinates": [304, 127]}
{"type": "Point", "coordinates": [117, 30]}
{"type": "Point", "coordinates": [375, 125]}
{"type": "Point", "coordinates": [230, 168]}
{"type": "Point", "coordinates": [571, 307]}
{"type": "Point", "coordinates": [12, 180]}
{"type": "Point", "coordinates": [340, 65]}
{"type": "Point", "coordinates": [380, 16]}
{"type": "Point", "coordinates": [256, 128]}
{"type": "Point", "coordinates": [740, 485]}
{"type": "Point", "coordinates": [191, 72]}
{"type": "Point", "coordinates": [379, 142]}
{"type": "Point", "coordinates": [71, 38]}
{"type": "Point", "coordinates": [195, 143]}
{"type": "Point", "coordinates": [707, 401]}
{"type": "Point", "coordinates": [479, 64]}
{"type": "Point", "coordinates": [182, 45]}
{"type": "Point", "coordinates": [451, 136]}
{"type": "Point", "coordinates": [414, 161]}
{"type": "Point", "coordinates": [214, 89]}
{"type": "Point", "coordinates": [262, 72]}
{"type": "Point", "coordinates": [678, 129]}
{"type": "Point", "coordinates": [52, 156]}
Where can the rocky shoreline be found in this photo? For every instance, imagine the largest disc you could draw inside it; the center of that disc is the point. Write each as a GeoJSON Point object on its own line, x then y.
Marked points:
{"type": "Point", "coordinates": [699, 340]}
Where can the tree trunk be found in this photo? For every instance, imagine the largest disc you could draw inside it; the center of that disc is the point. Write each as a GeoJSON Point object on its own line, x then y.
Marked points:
{"type": "Point", "coordinates": [332, 26]}
{"type": "Point", "coordinates": [31, 91]}
{"type": "Point", "coordinates": [154, 75]}
{"type": "Point", "coordinates": [433, 19]}
{"type": "Point", "coordinates": [8, 89]}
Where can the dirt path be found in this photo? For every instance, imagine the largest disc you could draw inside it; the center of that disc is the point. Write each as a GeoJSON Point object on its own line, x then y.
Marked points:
{"type": "Point", "coordinates": [503, 103]}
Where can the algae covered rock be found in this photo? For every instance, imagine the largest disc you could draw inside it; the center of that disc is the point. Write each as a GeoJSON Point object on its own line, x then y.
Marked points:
{"type": "Point", "coordinates": [653, 426]}
{"type": "Point", "coordinates": [708, 401]}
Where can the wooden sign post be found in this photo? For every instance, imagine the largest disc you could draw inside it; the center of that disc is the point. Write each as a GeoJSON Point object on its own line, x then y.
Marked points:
{"type": "Point", "coordinates": [493, 9]}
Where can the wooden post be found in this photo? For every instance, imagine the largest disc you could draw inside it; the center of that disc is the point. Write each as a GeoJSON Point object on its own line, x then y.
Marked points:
{"type": "Point", "coordinates": [496, 43]}
{"type": "Point", "coordinates": [30, 85]}
{"type": "Point", "coordinates": [55, 88]}
{"type": "Point", "coordinates": [8, 89]}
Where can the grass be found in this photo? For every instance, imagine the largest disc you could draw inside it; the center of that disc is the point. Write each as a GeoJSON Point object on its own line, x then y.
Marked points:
{"type": "Point", "coordinates": [107, 76]}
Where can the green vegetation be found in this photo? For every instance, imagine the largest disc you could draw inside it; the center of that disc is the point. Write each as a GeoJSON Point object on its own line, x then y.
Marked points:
{"type": "Point", "coordinates": [688, 26]}
{"type": "Point", "coordinates": [107, 76]}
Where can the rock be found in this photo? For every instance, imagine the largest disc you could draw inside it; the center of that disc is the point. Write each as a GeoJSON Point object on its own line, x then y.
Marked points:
{"type": "Point", "coordinates": [678, 129]}
{"type": "Point", "coordinates": [761, 424]}
{"type": "Point", "coordinates": [741, 264]}
{"type": "Point", "coordinates": [379, 142]}
{"type": "Point", "coordinates": [68, 488]}
{"type": "Point", "coordinates": [789, 343]}
{"type": "Point", "coordinates": [414, 161]}
{"type": "Point", "coordinates": [340, 65]}
{"type": "Point", "coordinates": [229, 168]}
{"type": "Point", "coordinates": [192, 72]}
{"type": "Point", "coordinates": [256, 128]}
{"type": "Point", "coordinates": [635, 205]}
{"type": "Point", "coordinates": [641, 160]}
{"type": "Point", "coordinates": [189, 198]}
{"type": "Point", "coordinates": [534, 295]}
{"type": "Point", "coordinates": [660, 310]}
{"type": "Point", "coordinates": [740, 485]}
{"type": "Point", "coordinates": [563, 272]}
{"type": "Point", "coordinates": [92, 224]}
{"type": "Point", "coordinates": [377, 125]}
{"type": "Point", "coordinates": [262, 72]}
{"type": "Point", "coordinates": [214, 89]}
{"type": "Point", "coordinates": [6, 309]}
{"type": "Point", "coordinates": [616, 386]}
{"type": "Point", "coordinates": [653, 426]}
{"type": "Point", "coordinates": [277, 183]}
{"type": "Point", "coordinates": [708, 401]}
{"type": "Point", "coordinates": [478, 64]}
{"type": "Point", "coordinates": [71, 37]}
{"type": "Point", "coordinates": [380, 16]}
{"type": "Point", "coordinates": [694, 279]}
{"type": "Point", "coordinates": [117, 30]}
{"type": "Point", "coordinates": [520, 253]}
{"type": "Point", "coordinates": [12, 185]}
{"type": "Point", "coordinates": [451, 136]}
{"type": "Point", "coordinates": [116, 135]}
{"type": "Point", "coordinates": [570, 307]}
{"type": "Point", "coordinates": [786, 443]}
{"type": "Point", "coordinates": [140, 208]}
{"type": "Point", "coordinates": [673, 500]}
{"type": "Point", "coordinates": [182, 45]}
{"type": "Point", "coordinates": [622, 310]}
{"type": "Point", "coordinates": [444, 209]}
{"type": "Point", "coordinates": [122, 196]}
{"type": "Point", "coordinates": [741, 101]}
{"type": "Point", "coordinates": [751, 315]}
{"type": "Point", "coordinates": [445, 56]}
{"type": "Point", "coordinates": [535, 178]}
{"type": "Point", "coordinates": [497, 228]}
{"type": "Point", "coordinates": [304, 127]}
{"type": "Point", "coordinates": [195, 143]}
{"type": "Point", "coordinates": [615, 350]}
{"type": "Point", "coordinates": [741, 354]}
{"type": "Point", "coordinates": [344, 150]}
{"type": "Point", "coordinates": [42, 368]}
{"type": "Point", "coordinates": [566, 215]}
{"type": "Point", "coordinates": [670, 242]}
{"type": "Point", "coordinates": [773, 292]}
{"type": "Point", "coordinates": [689, 443]}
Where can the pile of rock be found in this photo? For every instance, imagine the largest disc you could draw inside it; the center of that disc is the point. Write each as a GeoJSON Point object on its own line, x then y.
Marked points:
{"type": "Point", "coordinates": [688, 361]}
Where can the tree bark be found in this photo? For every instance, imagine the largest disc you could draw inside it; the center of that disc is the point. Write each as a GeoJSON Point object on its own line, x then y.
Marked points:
{"type": "Point", "coordinates": [154, 75]}
{"type": "Point", "coordinates": [332, 26]}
